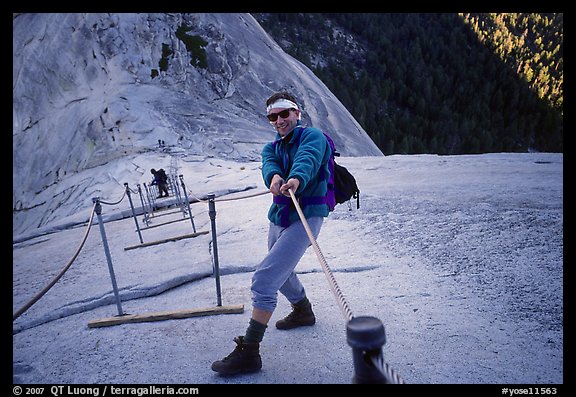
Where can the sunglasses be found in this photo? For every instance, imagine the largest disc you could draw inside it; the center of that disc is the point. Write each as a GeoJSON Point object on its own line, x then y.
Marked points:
{"type": "Point", "coordinates": [274, 116]}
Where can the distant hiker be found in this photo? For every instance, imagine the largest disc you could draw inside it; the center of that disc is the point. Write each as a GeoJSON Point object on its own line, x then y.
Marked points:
{"type": "Point", "coordinates": [296, 160]}
{"type": "Point", "coordinates": [160, 179]}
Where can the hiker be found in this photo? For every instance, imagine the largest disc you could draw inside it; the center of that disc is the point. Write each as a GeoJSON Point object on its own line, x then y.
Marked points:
{"type": "Point", "coordinates": [160, 179]}
{"type": "Point", "coordinates": [296, 160]}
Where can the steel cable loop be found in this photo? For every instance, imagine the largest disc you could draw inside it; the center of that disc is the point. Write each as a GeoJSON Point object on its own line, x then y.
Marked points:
{"type": "Point", "coordinates": [117, 202]}
{"type": "Point", "coordinates": [51, 284]}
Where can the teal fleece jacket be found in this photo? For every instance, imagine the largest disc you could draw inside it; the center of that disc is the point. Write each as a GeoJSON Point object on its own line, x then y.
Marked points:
{"type": "Point", "coordinates": [302, 154]}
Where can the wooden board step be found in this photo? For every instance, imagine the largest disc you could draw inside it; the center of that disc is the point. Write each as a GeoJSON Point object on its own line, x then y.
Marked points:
{"type": "Point", "coordinates": [176, 238]}
{"type": "Point", "coordinates": [165, 315]}
{"type": "Point", "coordinates": [165, 223]}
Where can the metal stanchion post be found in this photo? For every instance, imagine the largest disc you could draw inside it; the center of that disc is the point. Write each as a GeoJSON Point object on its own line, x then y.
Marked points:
{"type": "Point", "coordinates": [179, 200]}
{"type": "Point", "coordinates": [144, 206]}
{"type": "Point", "coordinates": [212, 213]}
{"type": "Point", "coordinates": [150, 196]}
{"type": "Point", "coordinates": [133, 212]}
{"type": "Point", "coordinates": [366, 336]}
{"type": "Point", "coordinates": [98, 209]}
{"type": "Point", "coordinates": [187, 202]}
{"type": "Point", "coordinates": [171, 184]}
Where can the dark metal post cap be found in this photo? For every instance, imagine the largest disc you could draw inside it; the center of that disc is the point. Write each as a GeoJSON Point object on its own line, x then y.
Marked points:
{"type": "Point", "coordinates": [365, 333]}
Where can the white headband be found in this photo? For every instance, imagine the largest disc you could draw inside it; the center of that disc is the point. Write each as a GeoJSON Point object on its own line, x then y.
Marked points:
{"type": "Point", "coordinates": [282, 104]}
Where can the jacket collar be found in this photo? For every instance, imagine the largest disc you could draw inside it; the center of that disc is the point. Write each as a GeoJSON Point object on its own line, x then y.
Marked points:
{"type": "Point", "coordinates": [292, 135]}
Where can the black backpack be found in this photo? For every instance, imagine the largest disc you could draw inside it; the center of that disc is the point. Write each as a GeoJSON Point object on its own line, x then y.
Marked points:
{"type": "Point", "coordinates": [342, 185]}
{"type": "Point", "coordinates": [162, 175]}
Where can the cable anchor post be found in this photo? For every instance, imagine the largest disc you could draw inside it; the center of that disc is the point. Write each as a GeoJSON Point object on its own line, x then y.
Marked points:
{"type": "Point", "coordinates": [144, 206]}
{"type": "Point", "coordinates": [187, 202]}
{"type": "Point", "coordinates": [366, 336]}
{"type": "Point", "coordinates": [133, 212]}
{"type": "Point", "coordinates": [98, 210]}
{"type": "Point", "coordinates": [212, 214]}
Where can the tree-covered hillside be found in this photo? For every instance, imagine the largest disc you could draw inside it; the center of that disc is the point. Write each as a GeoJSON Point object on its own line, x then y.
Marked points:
{"type": "Point", "coordinates": [438, 83]}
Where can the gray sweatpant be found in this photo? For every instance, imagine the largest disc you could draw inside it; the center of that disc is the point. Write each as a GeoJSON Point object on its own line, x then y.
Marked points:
{"type": "Point", "coordinates": [286, 246]}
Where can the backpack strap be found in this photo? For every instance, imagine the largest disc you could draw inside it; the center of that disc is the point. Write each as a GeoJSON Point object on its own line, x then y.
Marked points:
{"type": "Point", "coordinates": [327, 199]}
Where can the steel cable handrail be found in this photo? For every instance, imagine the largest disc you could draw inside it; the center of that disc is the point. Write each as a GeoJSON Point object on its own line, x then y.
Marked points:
{"type": "Point", "coordinates": [198, 199]}
{"type": "Point", "coordinates": [51, 284]}
{"type": "Point", "coordinates": [117, 202]}
{"type": "Point", "coordinates": [331, 280]}
{"type": "Point", "coordinates": [390, 375]}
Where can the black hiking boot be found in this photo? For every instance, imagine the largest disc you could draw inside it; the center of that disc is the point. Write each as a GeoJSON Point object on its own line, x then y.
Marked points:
{"type": "Point", "coordinates": [245, 358]}
{"type": "Point", "coordinates": [299, 317]}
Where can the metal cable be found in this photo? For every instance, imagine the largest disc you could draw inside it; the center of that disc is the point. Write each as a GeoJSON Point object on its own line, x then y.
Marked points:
{"type": "Point", "coordinates": [117, 202]}
{"type": "Point", "coordinates": [244, 197]}
{"type": "Point", "coordinates": [29, 304]}
{"type": "Point", "coordinates": [198, 199]}
{"type": "Point", "coordinates": [331, 280]}
{"type": "Point", "coordinates": [51, 284]}
{"type": "Point", "coordinates": [346, 311]}
{"type": "Point", "coordinates": [392, 377]}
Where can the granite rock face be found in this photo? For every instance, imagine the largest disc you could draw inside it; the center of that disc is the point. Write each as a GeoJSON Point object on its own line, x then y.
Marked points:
{"type": "Point", "coordinates": [91, 89]}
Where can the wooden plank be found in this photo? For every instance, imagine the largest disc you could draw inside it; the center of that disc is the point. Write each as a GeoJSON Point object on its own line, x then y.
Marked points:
{"type": "Point", "coordinates": [165, 223]}
{"type": "Point", "coordinates": [155, 214]}
{"type": "Point", "coordinates": [176, 238]}
{"type": "Point", "coordinates": [165, 315]}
